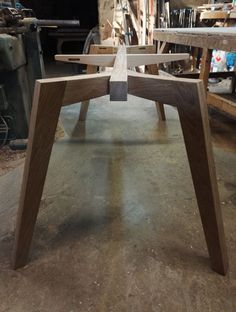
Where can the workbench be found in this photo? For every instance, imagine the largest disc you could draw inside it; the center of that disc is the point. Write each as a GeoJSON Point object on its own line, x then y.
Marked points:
{"type": "Point", "coordinates": [221, 38]}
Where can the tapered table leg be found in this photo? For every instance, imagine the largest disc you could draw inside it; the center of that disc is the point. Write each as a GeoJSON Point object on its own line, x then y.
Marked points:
{"type": "Point", "coordinates": [85, 105]}
{"type": "Point", "coordinates": [189, 96]}
{"type": "Point", "coordinates": [90, 70]}
{"type": "Point", "coordinates": [153, 70]}
{"type": "Point", "coordinates": [161, 111]}
{"type": "Point", "coordinates": [194, 121]}
{"type": "Point", "coordinates": [44, 117]}
{"type": "Point", "coordinates": [83, 110]}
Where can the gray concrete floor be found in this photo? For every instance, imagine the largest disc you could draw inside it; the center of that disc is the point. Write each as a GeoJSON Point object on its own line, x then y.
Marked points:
{"type": "Point", "coordinates": [119, 228]}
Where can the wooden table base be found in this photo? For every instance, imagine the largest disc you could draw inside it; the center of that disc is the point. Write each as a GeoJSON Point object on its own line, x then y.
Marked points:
{"type": "Point", "coordinates": [152, 69]}
{"type": "Point", "coordinates": [186, 94]}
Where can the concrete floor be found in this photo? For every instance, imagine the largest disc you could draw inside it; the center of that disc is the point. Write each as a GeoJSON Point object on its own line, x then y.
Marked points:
{"type": "Point", "coordinates": [119, 228]}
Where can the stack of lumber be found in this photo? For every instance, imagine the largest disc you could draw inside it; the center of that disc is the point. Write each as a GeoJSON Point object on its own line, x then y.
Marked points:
{"type": "Point", "coordinates": [131, 22]}
{"type": "Point", "coordinates": [219, 11]}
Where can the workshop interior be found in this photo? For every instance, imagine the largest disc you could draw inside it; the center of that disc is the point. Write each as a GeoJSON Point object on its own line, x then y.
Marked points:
{"type": "Point", "coordinates": [117, 155]}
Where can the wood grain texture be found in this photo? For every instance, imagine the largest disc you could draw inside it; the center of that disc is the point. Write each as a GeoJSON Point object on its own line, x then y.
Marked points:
{"type": "Point", "coordinates": [133, 60]}
{"type": "Point", "coordinates": [94, 49]}
{"type": "Point", "coordinates": [205, 66]}
{"type": "Point", "coordinates": [118, 81]}
{"type": "Point", "coordinates": [187, 95]}
{"type": "Point", "coordinates": [189, 98]}
{"type": "Point", "coordinates": [153, 69]}
{"type": "Point", "coordinates": [90, 70]}
{"type": "Point", "coordinates": [106, 13]}
{"type": "Point", "coordinates": [195, 125]}
{"type": "Point", "coordinates": [223, 38]}
{"type": "Point", "coordinates": [135, 49]}
{"type": "Point", "coordinates": [130, 49]}
{"type": "Point", "coordinates": [44, 117]}
{"type": "Point", "coordinates": [49, 96]}
{"type": "Point", "coordinates": [85, 87]}
{"type": "Point", "coordinates": [225, 103]}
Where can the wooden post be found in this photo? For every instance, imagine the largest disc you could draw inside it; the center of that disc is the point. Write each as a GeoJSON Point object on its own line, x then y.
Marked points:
{"type": "Point", "coordinates": [205, 66]}
{"type": "Point", "coordinates": [118, 81]}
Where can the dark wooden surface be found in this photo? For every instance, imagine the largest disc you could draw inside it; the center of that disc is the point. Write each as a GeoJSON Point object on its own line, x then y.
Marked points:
{"type": "Point", "coordinates": [187, 95]}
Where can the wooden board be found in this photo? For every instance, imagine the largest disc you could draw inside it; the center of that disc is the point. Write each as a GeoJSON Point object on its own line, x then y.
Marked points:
{"type": "Point", "coordinates": [219, 15]}
{"type": "Point", "coordinates": [224, 102]}
{"type": "Point", "coordinates": [133, 60]}
{"type": "Point", "coordinates": [223, 38]}
{"type": "Point", "coordinates": [118, 81]}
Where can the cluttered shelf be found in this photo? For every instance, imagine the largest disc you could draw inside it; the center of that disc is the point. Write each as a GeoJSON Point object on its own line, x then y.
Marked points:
{"type": "Point", "coordinates": [218, 11]}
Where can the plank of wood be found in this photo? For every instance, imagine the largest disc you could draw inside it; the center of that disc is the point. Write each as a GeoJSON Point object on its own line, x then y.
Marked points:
{"type": "Point", "coordinates": [134, 49]}
{"type": "Point", "coordinates": [164, 48]}
{"type": "Point", "coordinates": [224, 103]}
{"type": "Point", "coordinates": [94, 49]}
{"type": "Point", "coordinates": [118, 81]}
{"type": "Point", "coordinates": [141, 49]}
{"type": "Point", "coordinates": [212, 38]}
{"type": "Point", "coordinates": [133, 60]}
{"type": "Point", "coordinates": [88, 59]}
{"type": "Point", "coordinates": [90, 70]}
{"type": "Point", "coordinates": [106, 10]}
{"type": "Point", "coordinates": [153, 69]}
{"type": "Point", "coordinates": [205, 66]}
{"type": "Point", "coordinates": [218, 15]}
{"type": "Point", "coordinates": [90, 86]}
{"type": "Point", "coordinates": [214, 15]}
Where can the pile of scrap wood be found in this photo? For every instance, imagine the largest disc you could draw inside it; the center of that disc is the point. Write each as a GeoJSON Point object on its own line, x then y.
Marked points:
{"type": "Point", "coordinates": [132, 22]}
{"type": "Point", "coordinates": [219, 11]}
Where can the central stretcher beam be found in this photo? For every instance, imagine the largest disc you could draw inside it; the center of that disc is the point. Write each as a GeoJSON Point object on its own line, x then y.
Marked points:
{"type": "Point", "coordinates": [119, 79]}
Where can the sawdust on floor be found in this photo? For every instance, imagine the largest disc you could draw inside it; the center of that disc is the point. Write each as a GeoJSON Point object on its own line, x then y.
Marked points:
{"type": "Point", "coordinates": [10, 159]}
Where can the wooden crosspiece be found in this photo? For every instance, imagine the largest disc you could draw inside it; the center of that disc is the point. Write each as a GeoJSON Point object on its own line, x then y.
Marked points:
{"type": "Point", "coordinates": [120, 62]}
{"type": "Point", "coordinates": [102, 55]}
{"type": "Point", "coordinates": [187, 95]}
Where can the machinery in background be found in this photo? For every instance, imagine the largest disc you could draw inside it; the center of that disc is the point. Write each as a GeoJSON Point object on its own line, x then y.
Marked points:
{"type": "Point", "coordinates": [21, 63]}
